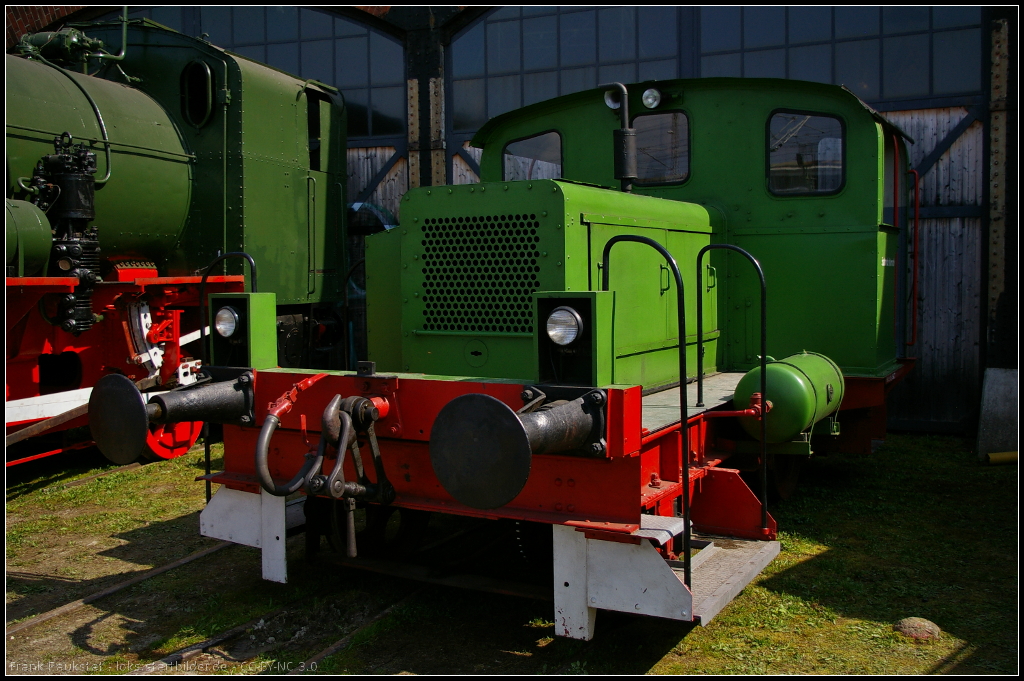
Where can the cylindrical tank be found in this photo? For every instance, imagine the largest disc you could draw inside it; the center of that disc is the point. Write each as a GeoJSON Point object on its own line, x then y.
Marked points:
{"type": "Point", "coordinates": [28, 239]}
{"type": "Point", "coordinates": [803, 389]}
{"type": "Point", "coordinates": [142, 209]}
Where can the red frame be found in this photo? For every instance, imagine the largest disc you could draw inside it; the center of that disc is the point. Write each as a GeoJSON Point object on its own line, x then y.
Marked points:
{"type": "Point", "coordinates": [605, 494]}
{"type": "Point", "coordinates": [105, 348]}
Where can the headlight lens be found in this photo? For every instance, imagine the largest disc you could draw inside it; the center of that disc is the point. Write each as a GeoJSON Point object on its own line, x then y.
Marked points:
{"type": "Point", "coordinates": [564, 325]}
{"type": "Point", "coordinates": [226, 321]}
{"type": "Point", "coordinates": [651, 98]}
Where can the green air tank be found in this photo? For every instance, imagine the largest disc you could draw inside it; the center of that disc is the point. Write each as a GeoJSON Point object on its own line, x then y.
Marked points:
{"type": "Point", "coordinates": [802, 389]}
{"type": "Point", "coordinates": [28, 239]}
{"type": "Point", "coordinates": [141, 210]}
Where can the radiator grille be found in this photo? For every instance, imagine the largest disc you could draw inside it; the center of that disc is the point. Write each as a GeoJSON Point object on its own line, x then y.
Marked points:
{"type": "Point", "coordinates": [479, 273]}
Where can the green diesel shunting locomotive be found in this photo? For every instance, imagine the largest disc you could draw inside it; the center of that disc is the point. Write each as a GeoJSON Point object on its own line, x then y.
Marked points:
{"type": "Point", "coordinates": [804, 176]}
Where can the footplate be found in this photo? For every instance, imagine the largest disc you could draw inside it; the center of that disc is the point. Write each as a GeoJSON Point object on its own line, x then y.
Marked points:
{"type": "Point", "coordinates": [722, 569]}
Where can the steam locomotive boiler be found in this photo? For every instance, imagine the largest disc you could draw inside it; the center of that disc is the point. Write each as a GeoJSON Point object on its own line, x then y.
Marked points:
{"type": "Point", "coordinates": [136, 157]}
{"type": "Point", "coordinates": [579, 344]}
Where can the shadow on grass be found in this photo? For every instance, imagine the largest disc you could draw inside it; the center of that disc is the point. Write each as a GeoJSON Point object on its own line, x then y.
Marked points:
{"type": "Point", "coordinates": [32, 476]}
{"type": "Point", "coordinates": [918, 529]}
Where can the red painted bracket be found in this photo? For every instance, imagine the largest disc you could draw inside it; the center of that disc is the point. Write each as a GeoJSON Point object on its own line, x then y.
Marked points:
{"type": "Point", "coordinates": [723, 504]}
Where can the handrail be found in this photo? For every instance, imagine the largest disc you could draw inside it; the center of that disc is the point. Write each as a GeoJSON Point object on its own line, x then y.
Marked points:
{"type": "Point", "coordinates": [684, 420]}
{"type": "Point", "coordinates": [764, 360]}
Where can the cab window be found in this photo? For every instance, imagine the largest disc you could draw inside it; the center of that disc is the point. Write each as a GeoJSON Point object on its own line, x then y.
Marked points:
{"type": "Point", "coordinates": [534, 158]}
{"type": "Point", "coordinates": [662, 148]}
{"type": "Point", "coordinates": [805, 154]}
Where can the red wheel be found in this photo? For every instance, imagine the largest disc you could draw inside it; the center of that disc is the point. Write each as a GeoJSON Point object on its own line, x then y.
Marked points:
{"type": "Point", "coordinates": [171, 440]}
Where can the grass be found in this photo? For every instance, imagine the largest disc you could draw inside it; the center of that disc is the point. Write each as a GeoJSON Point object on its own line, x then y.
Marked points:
{"type": "Point", "coordinates": [917, 529]}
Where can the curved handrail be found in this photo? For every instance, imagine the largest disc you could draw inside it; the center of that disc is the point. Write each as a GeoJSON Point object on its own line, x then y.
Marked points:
{"type": "Point", "coordinates": [764, 360]}
{"type": "Point", "coordinates": [684, 417]}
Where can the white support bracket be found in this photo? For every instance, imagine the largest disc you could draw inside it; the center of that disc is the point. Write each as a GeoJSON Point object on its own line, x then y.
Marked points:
{"type": "Point", "coordinates": [257, 520]}
{"type": "Point", "coordinates": [627, 577]}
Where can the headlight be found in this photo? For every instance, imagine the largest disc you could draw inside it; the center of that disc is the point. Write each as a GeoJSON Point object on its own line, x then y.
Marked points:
{"type": "Point", "coordinates": [564, 325]}
{"type": "Point", "coordinates": [651, 98]}
{"type": "Point", "coordinates": [226, 321]}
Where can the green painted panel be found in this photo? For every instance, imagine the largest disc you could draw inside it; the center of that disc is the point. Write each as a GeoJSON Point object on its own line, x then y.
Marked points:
{"type": "Point", "coordinates": [384, 300]}
{"type": "Point", "coordinates": [472, 256]}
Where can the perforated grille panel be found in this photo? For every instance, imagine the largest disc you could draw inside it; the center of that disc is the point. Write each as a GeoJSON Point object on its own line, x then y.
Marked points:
{"type": "Point", "coordinates": [479, 273]}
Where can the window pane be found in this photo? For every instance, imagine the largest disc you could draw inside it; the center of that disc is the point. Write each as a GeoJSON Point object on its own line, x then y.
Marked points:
{"type": "Point", "coordinates": [469, 104]}
{"type": "Point", "coordinates": [854, 22]}
{"type": "Point", "coordinates": [388, 110]}
{"type": "Point", "coordinates": [805, 154]}
{"type": "Point", "coordinates": [285, 57]}
{"type": "Point", "coordinates": [721, 65]}
{"type": "Point", "coordinates": [539, 86]}
{"type": "Point", "coordinates": [254, 52]}
{"type": "Point", "coordinates": [809, 24]}
{"type": "Point", "coordinates": [217, 22]}
{"type": "Point", "coordinates": [764, 26]}
{"type": "Point", "coordinates": [357, 104]}
{"type": "Point", "coordinates": [574, 80]}
{"type": "Point", "coordinates": [344, 28]}
{"type": "Point", "coordinates": [468, 53]}
{"type": "Point", "coordinates": [169, 17]}
{"type": "Point", "coordinates": [765, 64]}
{"type": "Point", "coordinates": [318, 61]}
{"type": "Point", "coordinates": [658, 70]}
{"type": "Point", "coordinates": [282, 23]}
{"type": "Point", "coordinates": [535, 158]}
{"type": "Point", "coordinates": [811, 63]}
{"type": "Point", "coordinates": [540, 43]}
{"type": "Point", "coordinates": [505, 13]}
{"type": "Point", "coordinates": [905, 66]}
{"type": "Point", "coordinates": [662, 148]}
{"type": "Point", "coordinates": [315, 24]}
{"type": "Point", "coordinates": [352, 66]}
{"type": "Point", "coordinates": [951, 17]}
{"type": "Point", "coordinates": [248, 25]}
{"type": "Point", "coordinates": [659, 30]}
{"type": "Point", "coordinates": [533, 11]}
{"type": "Point", "coordinates": [578, 39]}
{"type": "Point", "coordinates": [617, 34]}
{"type": "Point", "coordinates": [503, 47]}
{"type": "Point", "coordinates": [857, 67]}
{"type": "Point", "coordinates": [957, 66]}
{"type": "Point", "coordinates": [719, 28]}
{"type": "Point", "coordinates": [902, 19]}
{"type": "Point", "coordinates": [503, 95]}
{"type": "Point", "coordinates": [618, 73]}
{"type": "Point", "coordinates": [386, 62]}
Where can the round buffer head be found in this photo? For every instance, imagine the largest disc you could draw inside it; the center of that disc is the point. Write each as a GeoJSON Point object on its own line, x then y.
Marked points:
{"type": "Point", "coordinates": [118, 419]}
{"type": "Point", "coordinates": [480, 451]}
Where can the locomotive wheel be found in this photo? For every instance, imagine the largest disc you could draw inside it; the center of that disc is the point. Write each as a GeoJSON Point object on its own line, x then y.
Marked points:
{"type": "Point", "coordinates": [171, 440]}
